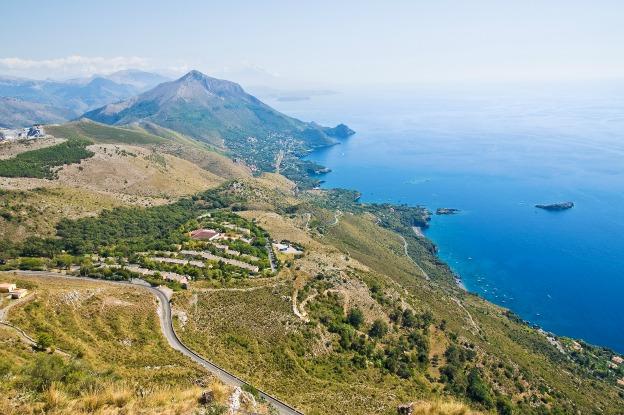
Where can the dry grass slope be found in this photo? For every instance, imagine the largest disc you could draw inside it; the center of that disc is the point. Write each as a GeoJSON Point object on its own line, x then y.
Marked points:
{"type": "Point", "coordinates": [116, 331]}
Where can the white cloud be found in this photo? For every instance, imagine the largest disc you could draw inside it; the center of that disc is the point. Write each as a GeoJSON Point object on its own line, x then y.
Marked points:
{"type": "Point", "coordinates": [69, 66]}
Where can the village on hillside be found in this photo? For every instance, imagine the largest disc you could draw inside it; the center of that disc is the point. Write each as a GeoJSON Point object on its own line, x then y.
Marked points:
{"type": "Point", "coordinates": [31, 133]}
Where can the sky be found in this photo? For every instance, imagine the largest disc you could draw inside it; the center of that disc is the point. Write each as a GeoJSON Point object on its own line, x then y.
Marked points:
{"type": "Point", "coordinates": [318, 42]}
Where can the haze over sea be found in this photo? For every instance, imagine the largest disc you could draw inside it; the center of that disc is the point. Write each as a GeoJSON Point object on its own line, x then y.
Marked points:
{"type": "Point", "coordinates": [493, 153]}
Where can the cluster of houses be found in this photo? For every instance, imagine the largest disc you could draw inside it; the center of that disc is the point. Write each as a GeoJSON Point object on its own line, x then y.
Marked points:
{"type": "Point", "coordinates": [13, 291]}
{"type": "Point", "coordinates": [36, 131]}
{"type": "Point", "coordinates": [615, 362]}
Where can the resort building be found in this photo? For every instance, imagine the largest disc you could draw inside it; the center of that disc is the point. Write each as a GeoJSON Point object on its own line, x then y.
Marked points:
{"type": "Point", "coordinates": [287, 249]}
{"type": "Point", "coordinates": [19, 293]}
{"type": "Point", "coordinates": [205, 234]}
{"type": "Point", "coordinates": [7, 287]}
{"type": "Point", "coordinates": [172, 276]}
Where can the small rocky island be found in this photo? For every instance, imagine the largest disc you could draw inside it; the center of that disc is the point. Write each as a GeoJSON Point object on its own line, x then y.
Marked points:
{"type": "Point", "coordinates": [556, 206]}
{"type": "Point", "coordinates": [446, 211]}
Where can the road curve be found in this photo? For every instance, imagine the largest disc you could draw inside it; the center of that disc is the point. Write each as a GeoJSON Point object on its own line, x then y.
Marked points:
{"type": "Point", "coordinates": [166, 325]}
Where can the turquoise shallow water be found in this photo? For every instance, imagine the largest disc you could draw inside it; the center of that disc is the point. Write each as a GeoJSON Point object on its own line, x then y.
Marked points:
{"type": "Point", "coordinates": [493, 155]}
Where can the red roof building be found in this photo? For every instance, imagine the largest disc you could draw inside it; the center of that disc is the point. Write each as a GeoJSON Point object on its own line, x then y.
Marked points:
{"type": "Point", "coordinates": [204, 234]}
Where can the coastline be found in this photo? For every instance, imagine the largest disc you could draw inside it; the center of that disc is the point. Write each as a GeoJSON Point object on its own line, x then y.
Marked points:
{"type": "Point", "coordinates": [393, 163]}
{"type": "Point", "coordinates": [420, 232]}
{"type": "Point", "coordinates": [458, 281]}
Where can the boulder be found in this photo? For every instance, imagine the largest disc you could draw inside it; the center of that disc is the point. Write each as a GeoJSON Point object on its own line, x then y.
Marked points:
{"type": "Point", "coordinates": [406, 409]}
{"type": "Point", "coordinates": [207, 397]}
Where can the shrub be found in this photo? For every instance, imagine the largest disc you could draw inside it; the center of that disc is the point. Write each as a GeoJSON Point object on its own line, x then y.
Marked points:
{"type": "Point", "coordinates": [355, 317]}
{"type": "Point", "coordinates": [378, 329]}
{"type": "Point", "coordinates": [477, 389]}
{"type": "Point", "coordinates": [44, 341]}
{"type": "Point", "coordinates": [504, 406]}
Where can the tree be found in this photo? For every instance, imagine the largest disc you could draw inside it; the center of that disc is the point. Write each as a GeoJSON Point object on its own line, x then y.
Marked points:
{"type": "Point", "coordinates": [43, 371]}
{"type": "Point", "coordinates": [504, 406]}
{"type": "Point", "coordinates": [409, 318]}
{"type": "Point", "coordinates": [44, 341]}
{"type": "Point", "coordinates": [477, 389]}
{"type": "Point", "coordinates": [355, 317]}
{"type": "Point", "coordinates": [427, 319]}
{"type": "Point", "coordinates": [378, 329]}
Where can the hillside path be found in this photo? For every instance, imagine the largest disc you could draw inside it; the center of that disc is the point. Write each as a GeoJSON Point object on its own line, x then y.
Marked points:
{"type": "Point", "coordinates": [412, 259]}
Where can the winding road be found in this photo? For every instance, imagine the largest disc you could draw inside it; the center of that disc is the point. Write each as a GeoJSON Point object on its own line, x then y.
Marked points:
{"type": "Point", "coordinates": [166, 325]}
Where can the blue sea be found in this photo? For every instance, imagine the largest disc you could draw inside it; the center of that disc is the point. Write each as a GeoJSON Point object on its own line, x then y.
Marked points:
{"type": "Point", "coordinates": [493, 152]}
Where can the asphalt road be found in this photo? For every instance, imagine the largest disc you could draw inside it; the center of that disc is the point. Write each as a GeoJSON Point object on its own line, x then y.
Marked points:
{"type": "Point", "coordinates": [166, 325]}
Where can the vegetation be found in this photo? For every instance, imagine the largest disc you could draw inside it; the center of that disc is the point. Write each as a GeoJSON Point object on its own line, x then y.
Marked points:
{"type": "Point", "coordinates": [41, 163]}
{"type": "Point", "coordinates": [377, 311]}
{"type": "Point", "coordinates": [113, 337]}
{"type": "Point", "coordinates": [100, 133]}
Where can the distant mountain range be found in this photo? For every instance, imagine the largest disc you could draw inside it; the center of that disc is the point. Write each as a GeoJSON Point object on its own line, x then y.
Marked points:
{"type": "Point", "coordinates": [212, 110]}
{"type": "Point", "coordinates": [56, 101]}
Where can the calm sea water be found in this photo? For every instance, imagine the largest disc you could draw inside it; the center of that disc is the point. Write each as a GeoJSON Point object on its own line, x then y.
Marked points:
{"type": "Point", "coordinates": [495, 154]}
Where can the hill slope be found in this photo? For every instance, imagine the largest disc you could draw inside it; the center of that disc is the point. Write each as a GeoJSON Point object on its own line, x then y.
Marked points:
{"type": "Point", "coordinates": [15, 113]}
{"type": "Point", "coordinates": [350, 325]}
{"type": "Point", "coordinates": [155, 138]}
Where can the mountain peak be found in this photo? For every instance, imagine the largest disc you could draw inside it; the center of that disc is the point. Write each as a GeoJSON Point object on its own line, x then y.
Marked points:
{"type": "Point", "coordinates": [195, 74]}
{"type": "Point", "coordinates": [199, 81]}
{"type": "Point", "coordinates": [213, 110]}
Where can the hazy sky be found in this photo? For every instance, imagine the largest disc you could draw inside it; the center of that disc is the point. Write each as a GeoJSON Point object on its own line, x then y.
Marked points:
{"type": "Point", "coordinates": [318, 42]}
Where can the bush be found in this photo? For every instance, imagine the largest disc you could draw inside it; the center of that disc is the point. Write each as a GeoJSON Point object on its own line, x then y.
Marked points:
{"type": "Point", "coordinates": [355, 317]}
{"type": "Point", "coordinates": [409, 318]}
{"type": "Point", "coordinates": [477, 389]}
{"type": "Point", "coordinates": [378, 329]}
{"type": "Point", "coordinates": [43, 371]}
{"type": "Point", "coordinates": [44, 341]}
{"type": "Point", "coordinates": [252, 390]}
{"type": "Point", "coordinates": [504, 406]}
{"type": "Point", "coordinates": [47, 369]}
{"type": "Point", "coordinates": [31, 264]}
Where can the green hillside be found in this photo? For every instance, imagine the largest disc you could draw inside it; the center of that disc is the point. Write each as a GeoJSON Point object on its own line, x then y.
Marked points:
{"type": "Point", "coordinates": [370, 320]}
{"type": "Point", "coordinates": [223, 115]}
{"type": "Point", "coordinates": [100, 133]}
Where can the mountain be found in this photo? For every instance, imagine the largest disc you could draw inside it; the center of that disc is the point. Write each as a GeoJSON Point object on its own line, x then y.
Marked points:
{"type": "Point", "coordinates": [16, 113]}
{"type": "Point", "coordinates": [96, 92]}
{"type": "Point", "coordinates": [213, 110]}
{"type": "Point", "coordinates": [73, 97]}
{"type": "Point", "coordinates": [76, 96]}
{"type": "Point", "coordinates": [221, 114]}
